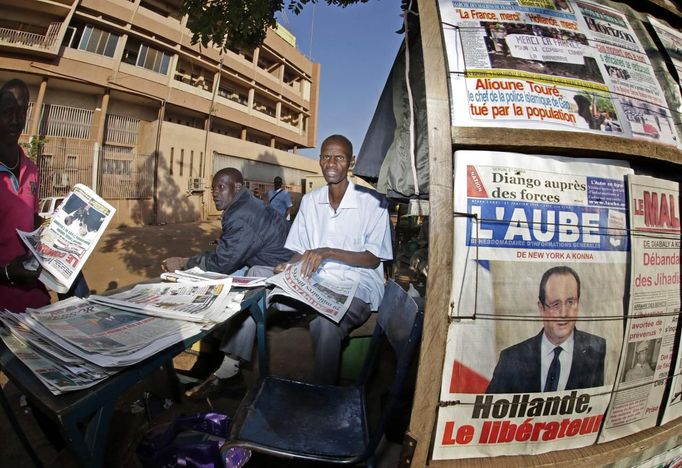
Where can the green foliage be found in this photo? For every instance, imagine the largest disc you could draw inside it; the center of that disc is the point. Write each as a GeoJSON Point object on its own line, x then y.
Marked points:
{"type": "Point", "coordinates": [33, 147]}
{"type": "Point", "coordinates": [239, 23]}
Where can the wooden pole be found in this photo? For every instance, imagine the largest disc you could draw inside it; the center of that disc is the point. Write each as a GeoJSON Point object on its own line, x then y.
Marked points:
{"type": "Point", "coordinates": [427, 393]}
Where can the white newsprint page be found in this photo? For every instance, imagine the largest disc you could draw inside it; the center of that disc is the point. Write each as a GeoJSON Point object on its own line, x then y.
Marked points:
{"type": "Point", "coordinates": [330, 299]}
{"type": "Point", "coordinates": [539, 272]}
{"type": "Point", "coordinates": [63, 243]}
{"type": "Point", "coordinates": [76, 343]}
{"type": "Point", "coordinates": [653, 310]}
{"type": "Point", "coordinates": [195, 302]}
{"type": "Point", "coordinates": [197, 275]}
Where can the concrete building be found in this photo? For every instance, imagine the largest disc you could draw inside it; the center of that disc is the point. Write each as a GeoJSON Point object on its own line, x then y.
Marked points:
{"type": "Point", "coordinates": [123, 102]}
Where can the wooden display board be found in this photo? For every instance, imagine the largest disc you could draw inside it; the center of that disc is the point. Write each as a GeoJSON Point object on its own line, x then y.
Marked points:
{"type": "Point", "coordinates": [443, 139]}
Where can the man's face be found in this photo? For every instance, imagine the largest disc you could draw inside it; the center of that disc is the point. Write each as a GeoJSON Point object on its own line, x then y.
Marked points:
{"type": "Point", "coordinates": [560, 308]}
{"type": "Point", "coordinates": [335, 160]}
{"type": "Point", "coordinates": [13, 109]}
{"type": "Point", "coordinates": [223, 190]}
{"type": "Point", "coordinates": [641, 356]}
{"type": "Point", "coordinates": [277, 183]}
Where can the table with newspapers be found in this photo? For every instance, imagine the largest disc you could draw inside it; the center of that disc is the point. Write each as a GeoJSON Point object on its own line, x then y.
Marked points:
{"type": "Point", "coordinates": [74, 358]}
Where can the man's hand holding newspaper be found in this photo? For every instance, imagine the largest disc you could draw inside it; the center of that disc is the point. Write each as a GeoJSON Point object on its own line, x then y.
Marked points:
{"type": "Point", "coordinates": [328, 298]}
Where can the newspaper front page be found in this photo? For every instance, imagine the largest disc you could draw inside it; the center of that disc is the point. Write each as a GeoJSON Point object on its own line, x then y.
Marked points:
{"type": "Point", "coordinates": [552, 64]}
{"type": "Point", "coordinates": [197, 275]}
{"type": "Point", "coordinates": [672, 42]}
{"type": "Point", "coordinates": [329, 298]}
{"type": "Point", "coordinates": [196, 302]}
{"type": "Point", "coordinates": [63, 243]}
{"type": "Point", "coordinates": [526, 227]}
{"type": "Point", "coordinates": [58, 378]}
{"type": "Point", "coordinates": [653, 310]}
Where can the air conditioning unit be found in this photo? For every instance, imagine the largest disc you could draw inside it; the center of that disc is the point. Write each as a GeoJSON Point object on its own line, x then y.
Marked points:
{"type": "Point", "coordinates": [196, 184]}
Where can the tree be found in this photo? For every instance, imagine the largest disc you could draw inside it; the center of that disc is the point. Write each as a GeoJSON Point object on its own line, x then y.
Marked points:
{"type": "Point", "coordinates": [239, 23]}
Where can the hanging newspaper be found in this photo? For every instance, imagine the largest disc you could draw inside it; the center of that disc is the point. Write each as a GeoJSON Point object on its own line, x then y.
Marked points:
{"type": "Point", "coordinates": [551, 64]}
{"type": "Point", "coordinates": [672, 42]}
{"type": "Point", "coordinates": [654, 307]}
{"type": "Point", "coordinates": [539, 274]}
{"type": "Point", "coordinates": [197, 275]}
{"type": "Point", "coordinates": [329, 298]}
{"type": "Point", "coordinates": [62, 244]}
{"type": "Point", "coordinates": [195, 302]}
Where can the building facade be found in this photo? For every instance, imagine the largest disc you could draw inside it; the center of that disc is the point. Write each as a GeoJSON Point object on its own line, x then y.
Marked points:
{"type": "Point", "coordinates": [124, 103]}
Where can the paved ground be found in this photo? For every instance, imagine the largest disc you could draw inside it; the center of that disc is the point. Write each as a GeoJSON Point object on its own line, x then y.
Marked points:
{"type": "Point", "coordinates": [126, 255]}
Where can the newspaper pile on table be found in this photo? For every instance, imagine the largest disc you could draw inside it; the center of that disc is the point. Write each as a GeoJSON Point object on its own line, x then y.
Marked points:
{"type": "Point", "coordinates": [329, 298]}
{"type": "Point", "coordinates": [77, 343]}
{"type": "Point", "coordinates": [196, 275]}
{"type": "Point", "coordinates": [195, 302]}
{"type": "Point", "coordinates": [63, 243]}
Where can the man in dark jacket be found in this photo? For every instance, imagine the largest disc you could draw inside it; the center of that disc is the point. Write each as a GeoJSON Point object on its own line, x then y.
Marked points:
{"type": "Point", "coordinates": [252, 234]}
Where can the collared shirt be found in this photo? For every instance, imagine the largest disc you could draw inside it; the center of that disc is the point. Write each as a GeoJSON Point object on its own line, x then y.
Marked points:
{"type": "Point", "coordinates": [361, 222]}
{"type": "Point", "coordinates": [565, 359]}
{"type": "Point", "coordinates": [18, 203]}
{"type": "Point", "coordinates": [280, 200]}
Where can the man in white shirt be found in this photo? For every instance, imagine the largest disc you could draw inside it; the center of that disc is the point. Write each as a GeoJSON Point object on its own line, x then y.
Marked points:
{"type": "Point", "coordinates": [341, 231]}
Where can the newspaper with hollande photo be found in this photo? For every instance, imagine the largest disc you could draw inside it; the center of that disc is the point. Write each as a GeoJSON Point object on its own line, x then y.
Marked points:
{"type": "Point", "coordinates": [330, 299]}
{"type": "Point", "coordinates": [197, 275]}
{"type": "Point", "coordinates": [63, 243]}
{"type": "Point", "coordinates": [539, 275]}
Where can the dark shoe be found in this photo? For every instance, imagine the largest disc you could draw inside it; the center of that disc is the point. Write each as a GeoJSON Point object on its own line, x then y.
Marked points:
{"type": "Point", "coordinates": [213, 388]}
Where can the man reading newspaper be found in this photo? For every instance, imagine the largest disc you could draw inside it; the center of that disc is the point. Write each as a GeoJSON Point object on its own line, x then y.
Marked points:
{"type": "Point", "coordinates": [252, 234]}
{"type": "Point", "coordinates": [341, 233]}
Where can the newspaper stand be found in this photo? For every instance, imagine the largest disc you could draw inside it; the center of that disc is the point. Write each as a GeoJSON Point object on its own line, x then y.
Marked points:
{"type": "Point", "coordinates": [444, 138]}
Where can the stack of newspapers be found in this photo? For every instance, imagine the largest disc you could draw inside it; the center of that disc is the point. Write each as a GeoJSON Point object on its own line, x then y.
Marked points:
{"type": "Point", "coordinates": [77, 343]}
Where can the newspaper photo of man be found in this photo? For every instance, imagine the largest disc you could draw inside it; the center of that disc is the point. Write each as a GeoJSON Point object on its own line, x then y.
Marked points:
{"type": "Point", "coordinates": [560, 357]}
{"type": "Point", "coordinates": [642, 358]}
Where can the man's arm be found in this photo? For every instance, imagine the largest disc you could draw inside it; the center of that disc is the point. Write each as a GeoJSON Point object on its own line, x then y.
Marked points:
{"type": "Point", "coordinates": [311, 259]}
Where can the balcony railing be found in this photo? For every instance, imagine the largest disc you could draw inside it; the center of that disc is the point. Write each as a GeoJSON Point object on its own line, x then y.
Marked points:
{"type": "Point", "coordinates": [46, 41]}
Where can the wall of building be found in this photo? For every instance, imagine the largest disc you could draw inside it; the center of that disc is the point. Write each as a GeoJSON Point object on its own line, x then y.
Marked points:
{"type": "Point", "coordinates": [192, 94]}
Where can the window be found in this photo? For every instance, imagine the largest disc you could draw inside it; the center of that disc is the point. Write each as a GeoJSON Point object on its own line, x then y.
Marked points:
{"type": "Point", "coordinates": [182, 159]}
{"type": "Point", "coordinates": [233, 94]}
{"type": "Point", "coordinates": [98, 41]}
{"type": "Point", "coordinates": [118, 167]}
{"type": "Point", "coordinates": [141, 55]}
{"type": "Point", "coordinates": [71, 162]}
{"type": "Point", "coordinates": [91, 39]}
{"type": "Point", "coordinates": [171, 160]}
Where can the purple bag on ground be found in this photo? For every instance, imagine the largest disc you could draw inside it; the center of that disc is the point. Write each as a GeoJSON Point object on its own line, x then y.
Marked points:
{"type": "Point", "coordinates": [191, 440]}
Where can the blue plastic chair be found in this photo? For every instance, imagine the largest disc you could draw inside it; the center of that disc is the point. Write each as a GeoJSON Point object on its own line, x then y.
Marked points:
{"type": "Point", "coordinates": [325, 423]}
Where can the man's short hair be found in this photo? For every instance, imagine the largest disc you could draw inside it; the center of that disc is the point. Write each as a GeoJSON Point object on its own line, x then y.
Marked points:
{"type": "Point", "coordinates": [278, 179]}
{"type": "Point", "coordinates": [16, 83]}
{"type": "Point", "coordinates": [558, 270]}
{"type": "Point", "coordinates": [233, 173]}
{"type": "Point", "coordinates": [342, 139]}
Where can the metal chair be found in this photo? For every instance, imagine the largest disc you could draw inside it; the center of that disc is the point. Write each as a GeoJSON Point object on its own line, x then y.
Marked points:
{"type": "Point", "coordinates": [326, 423]}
